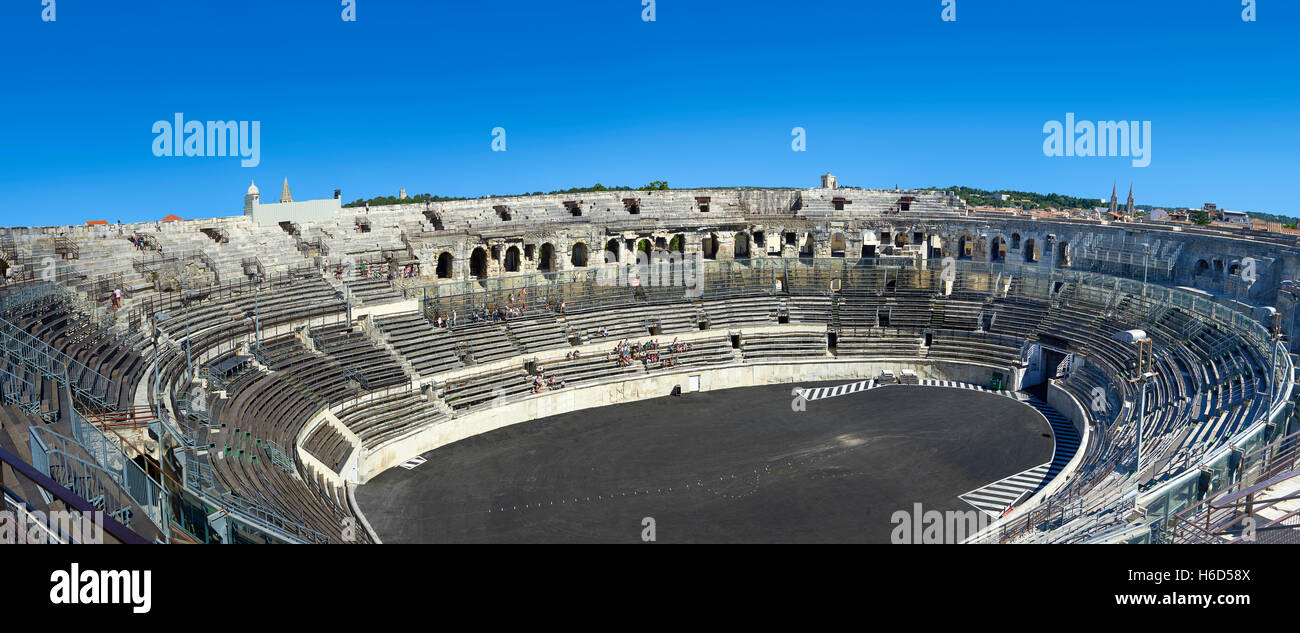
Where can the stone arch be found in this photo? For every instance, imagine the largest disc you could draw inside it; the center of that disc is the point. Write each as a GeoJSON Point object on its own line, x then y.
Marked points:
{"type": "Point", "coordinates": [1031, 250]}
{"type": "Point", "coordinates": [443, 269]}
{"type": "Point", "coordinates": [1015, 241]}
{"type": "Point", "coordinates": [612, 251]}
{"type": "Point", "coordinates": [578, 256]}
{"type": "Point", "coordinates": [1202, 267]}
{"type": "Point", "coordinates": [965, 247]}
{"type": "Point", "coordinates": [710, 246]}
{"type": "Point", "coordinates": [997, 252]}
{"type": "Point", "coordinates": [478, 264]}
{"type": "Point", "coordinates": [1063, 256]}
{"type": "Point", "coordinates": [546, 258]}
{"type": "Point", "coordinates": [741, 250]}
{"type": "Point", "coordinates": [512, 259]}
{"type": "Point", "coordinates": [678, 243]}
{"type": "Point", "coordinates": [808, 248]}
{"type": "Point", "coordinates": [900, 238]}
{"type": "Point", "coordinates": [838, 245]}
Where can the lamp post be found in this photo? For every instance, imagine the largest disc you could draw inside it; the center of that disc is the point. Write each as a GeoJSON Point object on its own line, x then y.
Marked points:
{"type": "Point", "coordinates": [158, 317]}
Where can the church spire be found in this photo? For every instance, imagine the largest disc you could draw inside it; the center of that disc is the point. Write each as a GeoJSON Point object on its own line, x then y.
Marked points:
{"type": "Point", "coordinates": [1114, 197]}
{"type": "Point", "coordinates": [1129, 205]}
{"type": "Point", "coordinates": [285, 196]}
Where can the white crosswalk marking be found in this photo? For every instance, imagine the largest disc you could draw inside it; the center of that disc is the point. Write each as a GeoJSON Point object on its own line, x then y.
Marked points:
{"type": "Point", "coordinates": [830, 392]}
{"type": "Point", "coordinates": [996, 497]}
{"type": "Point", "coordinates": [818, 393]}
{"type": "Point", "coordinates": [413, 462]}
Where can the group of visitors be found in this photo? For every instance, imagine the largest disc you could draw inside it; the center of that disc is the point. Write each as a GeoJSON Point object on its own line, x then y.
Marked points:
{"type": "Point", "coordinates": [138, 242]}
{"type": "Point", "coordinates": [551, 382]}
{"type": "Point", "coordinates": [648, 353]}
{"type": "Point", "coordinates": [445, 321]}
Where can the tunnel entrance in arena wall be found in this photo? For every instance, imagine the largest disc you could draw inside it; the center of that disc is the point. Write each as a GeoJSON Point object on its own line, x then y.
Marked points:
{"type": "Point", "coordinates": [478, 264]}
{"type": "Point", "coordinates": [579, 257]}
{"type": "Point", "coordinates": [512, 259]}
{"type": "Point", "coordinates": [838, 245]}
{"type": "Point", "coordinates": [869, 250]}
{"type": "Point", "coordinates": [741, 246]}
{"type": "Point", "coordinates": [710, 246]}
{"type": "Point", "coordinates": [546, 263]}
{"type": "Point", "coordinates": [443, 269]}
{"type": "Point", "coordinates": [611, 252]}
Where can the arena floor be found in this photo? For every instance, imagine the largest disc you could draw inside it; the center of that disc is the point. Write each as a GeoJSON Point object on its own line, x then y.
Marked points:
{"type": "Point", "coordinates": [737, 465]}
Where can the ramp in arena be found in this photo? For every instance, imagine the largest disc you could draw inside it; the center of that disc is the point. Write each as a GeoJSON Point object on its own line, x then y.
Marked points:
{"type": "Point", "coordinates": [737, 465]}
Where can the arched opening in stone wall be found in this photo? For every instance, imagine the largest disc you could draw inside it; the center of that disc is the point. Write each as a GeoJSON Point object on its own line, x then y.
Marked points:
{"type": "Point", "coordinates": [546, 258]}
{"type": "Point", "coordinates": [742, 246]}
{"type": "Point", "coordinates": [965, 247]}
{"type": "Point", "coordinates": [710, 246]}
{"type": "Point", "coordinates": [900, 239]}
{"type": "Point", "coordinates": [661, 244]}
{"type": "Point", "coordinates": [1063, 257]}
{"type": "Point", "coordinates": [512, 259]}
{"type": "Point", "coordinates": [1031, 250]}
{"type": "Point", "coordinates": [999, 251]}
{"type": "Point", "coordinates": [643, 248]}
{"type": "Point", "coordinates": [1202, 267]}
{"type": "Point", "coordinates": [1015, 241]}
{"type": "Point", "coordinates": [809, 247]}
{"type": "Point", "coordinates": [579, 256]}
{"type": "Point", "coordinates": [444, 265]}
{"type": "Point", "coordinates": [611, 252]}
{"type": "Point", "coordinates": [678, 243]}
{"type": "Point", "coordinates": [838, 245]}
{"type": "Point", "coordinates": [478, 264]}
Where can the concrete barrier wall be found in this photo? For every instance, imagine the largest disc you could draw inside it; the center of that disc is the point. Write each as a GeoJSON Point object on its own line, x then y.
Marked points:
{"type": "Point", "coordinates": [654, 386]}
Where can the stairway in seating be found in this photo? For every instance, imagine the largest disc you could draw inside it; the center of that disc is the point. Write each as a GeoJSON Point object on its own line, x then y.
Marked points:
{"type": "Point", "coordinates": [995, 498]}
{"type": "Point", "coordinates": [936, 315]}
{"type": "Point", "coordinates": [514, 340]}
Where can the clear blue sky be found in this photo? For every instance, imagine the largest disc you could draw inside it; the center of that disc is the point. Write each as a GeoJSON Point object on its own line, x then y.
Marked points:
{"type": "Point", "coordinates": [707, 95]}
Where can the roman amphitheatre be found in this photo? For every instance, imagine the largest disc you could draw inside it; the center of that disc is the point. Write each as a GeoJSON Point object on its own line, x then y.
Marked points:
{"type": "Point", "coordinates": [748, 365]}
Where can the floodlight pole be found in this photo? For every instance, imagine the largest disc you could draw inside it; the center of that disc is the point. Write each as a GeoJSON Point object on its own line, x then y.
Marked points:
{"type": "Point", "coordinates": [1146, 250]}
{"type": "Point", "coordinates": [189, 367]}
{"type": "Point", "coordinates": [257, 315]}
{"type": "Point", "coordinates": [156, 385]}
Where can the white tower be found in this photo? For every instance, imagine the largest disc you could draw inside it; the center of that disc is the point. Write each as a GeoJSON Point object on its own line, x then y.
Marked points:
{"type": "Point", "coordinates": [251, 198]}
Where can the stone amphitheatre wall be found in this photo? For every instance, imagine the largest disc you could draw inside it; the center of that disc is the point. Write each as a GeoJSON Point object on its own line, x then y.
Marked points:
{"type": "Point", "coordinates": [501, 237]}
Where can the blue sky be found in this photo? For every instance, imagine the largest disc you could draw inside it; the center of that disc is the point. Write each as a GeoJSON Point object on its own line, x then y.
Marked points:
{"type": "Point", "coordinates": [706, 95]}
